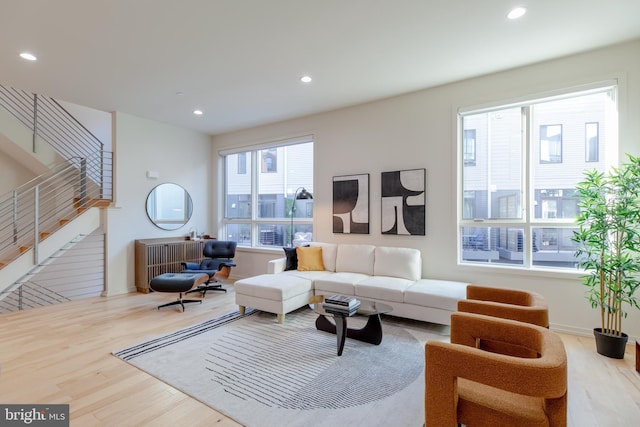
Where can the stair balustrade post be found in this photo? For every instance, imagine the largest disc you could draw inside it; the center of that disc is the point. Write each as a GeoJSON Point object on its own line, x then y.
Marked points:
{"type": "Point", "coordinates": [15, 216]}
{"type": "Point", "coordinates": [36, 223]}
{"type": "Point", "coordinates": [35, 121]}
{"type": "Point", "coordinates": [83, 181]}
{"type": "Point", "coordinates": [101, 172]}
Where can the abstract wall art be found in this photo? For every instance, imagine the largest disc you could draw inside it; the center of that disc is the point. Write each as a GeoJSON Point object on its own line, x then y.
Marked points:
{"type": "Point", "coordinates": [351, 204]}
{"type": "Point", "coordinates": [403, 201]}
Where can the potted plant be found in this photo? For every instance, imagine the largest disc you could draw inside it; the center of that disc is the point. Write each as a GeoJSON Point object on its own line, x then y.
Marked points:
{"type": "Point", "coordinates": [609, 248]}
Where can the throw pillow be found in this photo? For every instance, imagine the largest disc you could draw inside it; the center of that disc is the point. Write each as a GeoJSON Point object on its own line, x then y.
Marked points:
{"type": "Point", "coordinates": [310, 258]}
{"type": "Point", "coordinates": [292, 259]}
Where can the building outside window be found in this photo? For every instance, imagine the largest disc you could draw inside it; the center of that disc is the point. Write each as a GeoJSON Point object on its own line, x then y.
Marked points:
{"type": "Point", "coordinates": [258, 201]}
{"type": "Point", "coordinates": [551, 143]}
{"type": "Point", "coordinates": [592, 141]}
{"type": "Point", "coordinates": [517, 204]}
{"type": "Point", "coordinates": [269, 160]}
{"type": "Point", "coordinates": [469, 147]}
{"type": "Point", "coordinates": [242, 163]}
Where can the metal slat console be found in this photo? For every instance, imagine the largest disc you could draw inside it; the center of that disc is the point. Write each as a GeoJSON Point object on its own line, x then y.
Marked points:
{"type": "Point", "coordinates": [154, 257]}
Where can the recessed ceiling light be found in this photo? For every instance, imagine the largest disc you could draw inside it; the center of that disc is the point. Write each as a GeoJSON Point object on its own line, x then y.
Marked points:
{"type": "Point", "coordinates": [197, 112]}
{"type": "Point", "coordinates": [28, 56]}
{"type": "Point", "coordinates": [517, 12]}
{"type": "Point", "coordinates": [305, 79]}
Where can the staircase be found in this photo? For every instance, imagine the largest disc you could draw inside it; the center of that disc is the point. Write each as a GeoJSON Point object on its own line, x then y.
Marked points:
{"type": "Point", "coordinates": [60, 206]}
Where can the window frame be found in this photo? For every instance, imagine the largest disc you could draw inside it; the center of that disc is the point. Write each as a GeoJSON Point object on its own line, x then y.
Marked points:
{"type": "Point", "coordinates": [528, 222]}
{"type": "Point", "coordinates": [256, 222]}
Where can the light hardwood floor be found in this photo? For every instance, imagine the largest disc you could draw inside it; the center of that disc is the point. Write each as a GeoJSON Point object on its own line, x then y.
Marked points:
{"type": "Point", "coordinates": [62, 354]}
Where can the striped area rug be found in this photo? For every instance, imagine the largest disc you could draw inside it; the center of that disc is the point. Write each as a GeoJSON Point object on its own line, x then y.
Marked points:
{"type": "Point", "coordinates": [264, 374]}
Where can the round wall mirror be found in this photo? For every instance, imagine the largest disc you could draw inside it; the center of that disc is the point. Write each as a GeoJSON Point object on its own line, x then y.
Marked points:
{"type": "Point", "coordinates": [169, 206]}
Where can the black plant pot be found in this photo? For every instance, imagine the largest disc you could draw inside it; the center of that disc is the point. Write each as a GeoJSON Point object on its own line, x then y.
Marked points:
{"type": "Point", "coordinates": [610, 345]}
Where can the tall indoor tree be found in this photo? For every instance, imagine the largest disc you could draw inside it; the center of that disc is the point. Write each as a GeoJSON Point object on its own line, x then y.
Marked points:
{"type": "Point", "coordinates": [609, 248]}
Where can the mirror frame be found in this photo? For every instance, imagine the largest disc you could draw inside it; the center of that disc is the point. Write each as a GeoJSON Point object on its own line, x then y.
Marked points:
{"type": "Point", "coordinates": [166, 197]}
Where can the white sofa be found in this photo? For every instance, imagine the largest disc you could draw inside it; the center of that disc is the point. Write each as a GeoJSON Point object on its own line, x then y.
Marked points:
{"type": "Point", "coordinates": [386, 274]}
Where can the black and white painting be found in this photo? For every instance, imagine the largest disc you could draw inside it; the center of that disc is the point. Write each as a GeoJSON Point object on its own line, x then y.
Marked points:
{"type": "Point", "coordinates": [351, 204]}
{"type": "Point", "coordinates": [403, 202]}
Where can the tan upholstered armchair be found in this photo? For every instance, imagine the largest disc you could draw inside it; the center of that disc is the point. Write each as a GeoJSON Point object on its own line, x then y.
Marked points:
{"type": "Point", "coordinates": [523, 306]}
{"type": "Point", "coordinates": [467, 385]}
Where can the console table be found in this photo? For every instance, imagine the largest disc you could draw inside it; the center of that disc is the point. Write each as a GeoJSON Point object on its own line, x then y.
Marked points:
{"type": "Point", "coordinates": [154, 257]}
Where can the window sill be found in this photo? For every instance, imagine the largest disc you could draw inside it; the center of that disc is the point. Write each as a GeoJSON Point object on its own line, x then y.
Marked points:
{"type": "Point", "coordinates": [529, 272]}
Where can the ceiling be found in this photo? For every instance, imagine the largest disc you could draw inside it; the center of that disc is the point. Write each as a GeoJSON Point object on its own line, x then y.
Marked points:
{"type": "Point", "coordinates": [240, 61]}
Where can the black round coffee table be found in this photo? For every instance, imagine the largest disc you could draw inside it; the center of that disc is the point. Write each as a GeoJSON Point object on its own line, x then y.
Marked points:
{"type": "Point", "coordinates": [370, 333]}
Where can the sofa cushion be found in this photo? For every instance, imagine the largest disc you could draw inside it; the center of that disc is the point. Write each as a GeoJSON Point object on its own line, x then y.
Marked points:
{"type": "Point", "coordinates": [292, 259]}
{"type": "Point", "coordinates": [310, 259]}
{"type": "Point", "coordinates": [398, 262]}
{"type": "Point", "coordinates": [355, 259]}
{"type": "Point", "coordinates": [328, 254]}
{"type": "Point", "coordinates": [338, 283]}
{"type": "Point", "coordinates": [441, 294]}
{"type": "Point", "coordinates": [382, 288]}
{"type": "Point", "coordinates": [310, 275]}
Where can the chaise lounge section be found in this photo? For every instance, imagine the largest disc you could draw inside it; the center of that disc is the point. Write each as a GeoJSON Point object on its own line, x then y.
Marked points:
{"type": "Point", "coordinates": [389, 275]}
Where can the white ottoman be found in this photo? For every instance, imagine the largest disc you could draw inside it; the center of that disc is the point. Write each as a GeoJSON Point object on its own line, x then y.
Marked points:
{"type": "Point", "coordinates": [274, 293]}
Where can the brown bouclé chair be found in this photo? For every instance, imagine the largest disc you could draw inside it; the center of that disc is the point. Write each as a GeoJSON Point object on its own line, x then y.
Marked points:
{"type": "Point", "coordinates": [465, 384]}
{"type": "Point", "coordinates": [524, 306]}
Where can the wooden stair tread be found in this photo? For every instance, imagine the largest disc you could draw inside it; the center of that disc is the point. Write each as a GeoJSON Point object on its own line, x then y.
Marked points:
{"type": "Point", "coordinates": [102, 203]}
{"type": "Point", "coordinates": [98, 203]}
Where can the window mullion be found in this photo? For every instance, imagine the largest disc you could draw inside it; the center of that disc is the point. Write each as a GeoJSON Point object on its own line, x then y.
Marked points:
{"type": "Point", "coordinates": [527, 181]}
{"type": "Point", "coordinates": [255, 171]}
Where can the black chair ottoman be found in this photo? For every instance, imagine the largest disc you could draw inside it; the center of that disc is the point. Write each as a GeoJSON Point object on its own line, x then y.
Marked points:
{"type": "Point", "coordinates": [178, 282]}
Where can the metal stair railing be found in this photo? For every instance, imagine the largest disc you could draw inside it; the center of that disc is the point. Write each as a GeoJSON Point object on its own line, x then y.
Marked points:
{"type": "Point", "coordinates": [49, 120]}
{"type": "Point", "coordinates": [33, 211]}
{"type": "Point", "coordinates": [41, 287]}
{"type": "Point", "coordinates": [29, 295]}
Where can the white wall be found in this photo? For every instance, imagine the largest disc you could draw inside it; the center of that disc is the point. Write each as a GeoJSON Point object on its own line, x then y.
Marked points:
{"type": "Point", "coordinates": [418, 130]}
{"type": "Point", "coordinates": [12, 174]}
{"type": "Point", "coordinates": [179, 156]}
{"type": "Point", "coordinates": [18, 162]}
{"type": "Point", "coordinates": [95, 121]}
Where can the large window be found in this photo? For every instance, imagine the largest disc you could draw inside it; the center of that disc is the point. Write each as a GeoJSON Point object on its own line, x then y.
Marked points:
{"type": "Point", "coordinates": [517, 201]}
{"type": "Point", "coordinates": [260, 186]}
